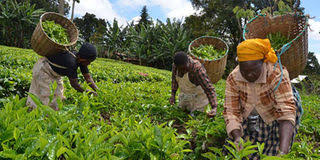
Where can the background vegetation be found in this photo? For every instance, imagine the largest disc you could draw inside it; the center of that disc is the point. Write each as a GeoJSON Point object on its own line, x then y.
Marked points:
{"type": "Point", "coordinates": [146, 42]}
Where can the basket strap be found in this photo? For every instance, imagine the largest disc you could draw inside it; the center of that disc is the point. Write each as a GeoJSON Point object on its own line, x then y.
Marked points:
{"type": "Point", "coordinates": [56, 65]}
{"type": "Point", "coordinates": [66, 48]}
{"type": "Point", "coordinates": [283, 49]}
{"type": "Point", "coordinates": [59, 66]}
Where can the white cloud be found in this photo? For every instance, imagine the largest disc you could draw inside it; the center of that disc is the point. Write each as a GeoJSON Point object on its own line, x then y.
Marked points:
{"type": "Point", "coordinates": [315, 29]}
{"type": "Point", "coordinates": [184, 11]}
{"type": "Point", "coordinates": [132, 3]}
{"type": "Point", "coordinates": [176, 8]}
{"type": "Point", "coordinates": [171, 8]}
{"type": "Point", "coordinates": [104, 8]}
{"type": "Point", "coordinates": [101, 8]}
{"type": "Point", "coordinates": [135, 20]}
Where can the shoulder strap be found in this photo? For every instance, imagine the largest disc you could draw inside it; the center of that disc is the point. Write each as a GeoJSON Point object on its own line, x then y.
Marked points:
{"type": "Point", "coordinates": [59, 66]}
{"type": "Point", "coordinates": [56, 65]}
{"type": "Point", "coordinates": [70, 52]}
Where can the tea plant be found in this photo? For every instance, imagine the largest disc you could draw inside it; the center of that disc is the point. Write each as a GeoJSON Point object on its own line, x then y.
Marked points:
{"type": "Point", "coordinates": [207, 52]}
{"type": "Point", "coordinates": [77, 132]}
{"type": "Point", "coordinates": [277, 40]}
{"type": "Point", "coordinates": [56, 32]}
{"type": "Point", "coordinates": [131, 117]}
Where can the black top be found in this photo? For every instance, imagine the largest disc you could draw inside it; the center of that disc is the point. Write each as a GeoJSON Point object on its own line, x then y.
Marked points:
{"type": "Point", "coordinates": [70, 62]}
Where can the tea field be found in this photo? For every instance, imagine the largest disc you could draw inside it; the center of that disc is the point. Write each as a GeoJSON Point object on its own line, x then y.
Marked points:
{"type": "Point", "coordinates": [131, 118]}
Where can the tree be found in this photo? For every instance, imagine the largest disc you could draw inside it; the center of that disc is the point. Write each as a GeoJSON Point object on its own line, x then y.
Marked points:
{"type": "Point", "coordinates": [217, 18]}
{"type": "Point", "coordinates": [145, 19]}
{"type": "Point", "coordinates": [226, 19]}
{"type": "Point", "coordinates": [115, 38]}
{"type": "Point", "coordinates": [18, 21]}
{"type": "Point", "coordinates": [88, 25]}
{"type": "Point", "coordinates": [313, 66]}
{"type": "Point", "coordinates": [92, 30]}
{"type": "Point", "coordinates": [155, 45]}
{"type": "Point", "coordinates": [61, 6]}
{"type": "Point", "coordinates": [48, 5]}
{"type": "Point", "coordinates": [173, 37]}
{"type": "Point", "coordinates": [73, 3]}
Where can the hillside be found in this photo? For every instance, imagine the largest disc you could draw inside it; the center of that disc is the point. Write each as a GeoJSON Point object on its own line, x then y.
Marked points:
{"type": "Point", "coordinates": [129, 119]}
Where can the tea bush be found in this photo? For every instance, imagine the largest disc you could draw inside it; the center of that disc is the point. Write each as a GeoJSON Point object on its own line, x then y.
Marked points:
{"type": "Point", "coordinates": [131, 117]}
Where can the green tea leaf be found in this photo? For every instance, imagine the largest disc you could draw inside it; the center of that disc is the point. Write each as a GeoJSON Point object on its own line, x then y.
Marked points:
{"type": "Point", "coordinates": [56, 32]}
{"type": "Point", "coordinates": [207, 52]}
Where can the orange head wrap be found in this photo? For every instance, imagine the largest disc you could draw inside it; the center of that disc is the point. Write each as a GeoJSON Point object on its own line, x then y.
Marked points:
{"type": "Point", "coordinates": [256, 49]}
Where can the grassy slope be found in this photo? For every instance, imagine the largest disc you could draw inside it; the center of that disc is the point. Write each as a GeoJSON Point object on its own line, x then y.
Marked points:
{"type": "Point", "coordinates": [124, 90]}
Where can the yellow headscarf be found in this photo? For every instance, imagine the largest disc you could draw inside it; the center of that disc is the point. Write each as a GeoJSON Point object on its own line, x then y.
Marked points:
{"type": "Point", "coordinates": [256, 49]}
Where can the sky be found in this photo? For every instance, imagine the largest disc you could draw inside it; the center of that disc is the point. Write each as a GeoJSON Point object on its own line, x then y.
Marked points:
{"type": "Point", "coordinates": [128, 10]}
{"type": "Point", "coordinates": [311, 7]}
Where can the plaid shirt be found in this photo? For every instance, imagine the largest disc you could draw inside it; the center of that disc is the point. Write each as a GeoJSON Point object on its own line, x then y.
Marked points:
{"type": "Point", "coordinates": [197, 76]}
{"type": "Point", "coordinates": [242, 97]}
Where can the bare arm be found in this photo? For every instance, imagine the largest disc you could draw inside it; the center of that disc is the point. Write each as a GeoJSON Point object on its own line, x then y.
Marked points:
{"type": "Point", "coordinates": [286, 106]}
{"type": "Point", "coordinates": [90, 81]}
{"type": "Point", "coordinates": [75, 84]}
{"type": "Point", "coordinates": [174, 85]}
{"type": "Point", "coordinates": [286, 131]}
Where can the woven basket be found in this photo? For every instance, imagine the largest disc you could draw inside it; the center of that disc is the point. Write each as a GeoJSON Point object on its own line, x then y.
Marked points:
{"type": "Point", "coordinates": [43, 45]}
{"type": "Point", "coordinates": [215, 68]}
{"type": "Point", "coordinates": [289, 25]}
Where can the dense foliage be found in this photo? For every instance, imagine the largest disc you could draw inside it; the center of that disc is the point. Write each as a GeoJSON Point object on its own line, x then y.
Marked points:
{"type": "Point", "coordinates": [277, 40]}
{"type": "Point", "coordinates": [207, 52]}
{"type": "Point", "coordinates": [226, 19]}
{"type": "Point", "coordinates": [55, 32]}
{"type": "Point", "coordinates": [147, 42]}
{"type": "Point", "coordinates": [18, 21]}
{"type": "Point", "coordinates": [313, 66]}
{"type": "Point", "coordinates": [129, 119]}
{"type": "Point", "coordinates": [48, 5]}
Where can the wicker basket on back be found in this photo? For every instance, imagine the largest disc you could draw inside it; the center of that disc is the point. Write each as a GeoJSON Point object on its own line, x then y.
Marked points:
{"type": "Point", "coordinates": [215, 68]}
{"type": "Point", "coordinates": [43, 45]}
{"type": "Point", "coordinates": [289, 25]}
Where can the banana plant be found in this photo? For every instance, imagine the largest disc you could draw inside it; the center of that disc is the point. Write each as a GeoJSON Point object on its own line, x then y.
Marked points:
{"type": "Point", "coordinates": [114, 37]}
{"type": "Point", "coordinates": [17, 22]}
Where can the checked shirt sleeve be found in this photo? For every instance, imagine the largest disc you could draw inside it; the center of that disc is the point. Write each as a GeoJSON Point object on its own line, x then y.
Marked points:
{"type": "Point", "coordinates": [232, 113]}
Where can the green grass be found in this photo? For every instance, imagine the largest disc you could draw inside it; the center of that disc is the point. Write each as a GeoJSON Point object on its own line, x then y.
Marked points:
{"type": "Point", "coordinates": [131, 117]}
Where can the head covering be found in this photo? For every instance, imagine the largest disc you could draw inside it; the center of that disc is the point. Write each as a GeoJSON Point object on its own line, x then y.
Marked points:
{"type": "Point", "coordinates": [180, 58]}
{"type": "Point", "coordinates": [256, 49]}
{"type": "Point", "coordinates": [88, 51]}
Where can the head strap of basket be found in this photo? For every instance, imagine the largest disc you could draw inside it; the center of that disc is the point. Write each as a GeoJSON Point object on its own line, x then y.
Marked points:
{"type": "Point", "coordinates": [215, 68]}
{"type": "Point", "coordinates": [292, 55]}
{"type": "Point", "coordinates": [43, 45]}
